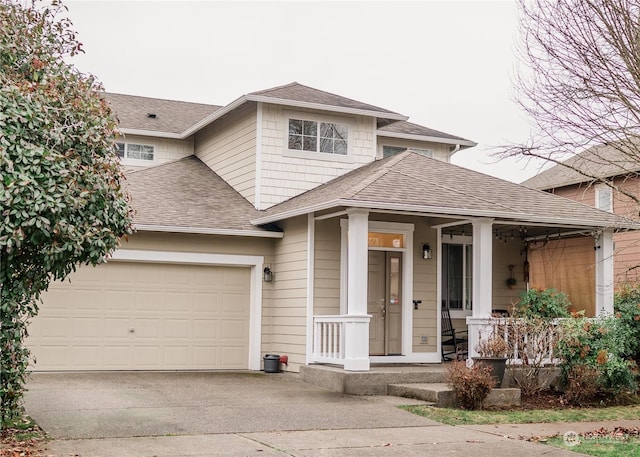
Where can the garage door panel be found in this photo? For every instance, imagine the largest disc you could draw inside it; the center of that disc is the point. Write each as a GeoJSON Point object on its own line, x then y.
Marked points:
{"type": "Point", "coordinates": [116, 357]}
{"type": "Point", "coordinates": [118, 300]}
{"type": "Point", "coordinates": [232, 356]}
{"type": "Point", "coordinates": [88, 327]}
{"type": "Point", "coordinates": [52, 327]}
{"type": "Point", "coordinates": [56, 356]}
{"type": "Point", "coordinates": [232, 328]}
{"type": "Point", "coordinates": [116, 327]}
{"type": "Point", "coordinates": [178, 301]}
{"type": "Point", "coordinates": [86, 357]}
{"type": "Point", "coordinates": [206, 302]}
{"type": "Point", "coordinates": [177, 328]}
{"type": "Point", "coordinates": [149, 357]}
{"type": "Point", "coordinates": [182, 317]}
{"type": "Point", "coordinates": [234, 304]}
{"type": "Point", "coordinates": [148, 300]}
{"type": "Point", "coordinates": [206, 328]}
{"type": "Point", "coordinates": [203, 356]}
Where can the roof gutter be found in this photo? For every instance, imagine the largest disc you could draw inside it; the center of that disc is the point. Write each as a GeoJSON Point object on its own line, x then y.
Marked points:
{"type": "Point", "coordinates": [154, 133]}
{"type": "Point", "coordinates": [207, 231]}
{"type": "Point", "coordinates": [434, 139]}
{"type": "Point", "coordinates": [439, 210]}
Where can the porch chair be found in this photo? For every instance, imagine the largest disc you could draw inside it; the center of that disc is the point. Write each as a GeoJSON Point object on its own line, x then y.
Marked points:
{"type": "Point", "coordinates": [456, 339]}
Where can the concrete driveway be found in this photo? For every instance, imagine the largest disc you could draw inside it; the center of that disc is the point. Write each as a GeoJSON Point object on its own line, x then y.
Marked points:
{"type": "Point", "coordinates": [238, 414]}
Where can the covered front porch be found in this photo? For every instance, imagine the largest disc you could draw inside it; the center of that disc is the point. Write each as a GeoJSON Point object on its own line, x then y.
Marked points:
{"type": "Point", "coordinates": [377, 280]}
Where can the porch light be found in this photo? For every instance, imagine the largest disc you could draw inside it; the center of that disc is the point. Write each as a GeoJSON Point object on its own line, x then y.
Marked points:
{"type": "Point", "coordinates": [267, 274]}
{"type": "Point", "coordinates": [426, 251]}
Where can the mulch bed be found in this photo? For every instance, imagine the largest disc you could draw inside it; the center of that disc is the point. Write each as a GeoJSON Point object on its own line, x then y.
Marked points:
{"type": "Point", "coordinates": [556, 400]}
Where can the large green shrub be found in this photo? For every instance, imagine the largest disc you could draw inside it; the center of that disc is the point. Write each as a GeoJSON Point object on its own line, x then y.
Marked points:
{"type": "Point", "coordinates": [597, 346]}
{"type": "Point", "coordinates": [62, 195]}
{"type": "Point", "coordinates": [627, 308]}
{"type": "Point", "coordinates": [543, 303]}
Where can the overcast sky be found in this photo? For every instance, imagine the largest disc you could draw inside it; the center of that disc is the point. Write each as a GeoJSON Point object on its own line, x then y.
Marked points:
{"type": "Point", "coordinates": [447, 65]}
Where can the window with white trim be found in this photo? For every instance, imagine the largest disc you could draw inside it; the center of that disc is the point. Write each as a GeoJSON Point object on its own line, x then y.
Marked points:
{"type": "Point", "coordinates": [135, 151]}
{"type": "Point", "coordinates": [317, 136]}
{"type": "Point", "coordinates": [604, 198]}
{"type": "Point", "coordinates": [388, 151]}
{"type": "Point", "coordinates": [457, 268]}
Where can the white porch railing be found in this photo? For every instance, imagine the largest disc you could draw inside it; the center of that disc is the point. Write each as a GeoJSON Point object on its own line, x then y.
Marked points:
{"type": "Point", "coordinates": [329, 339]}
{"type": "Point", "coordinates": [527, 343]}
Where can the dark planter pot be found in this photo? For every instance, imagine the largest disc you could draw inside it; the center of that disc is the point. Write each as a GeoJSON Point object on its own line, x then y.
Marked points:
{"type": "Point", "coordinates": [497, 365]}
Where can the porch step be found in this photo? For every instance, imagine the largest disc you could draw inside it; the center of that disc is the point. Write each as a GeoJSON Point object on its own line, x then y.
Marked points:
{"type": "Point", "coordinates": [373, 382]}
{"type": "Point", "coordinates": [442, 395]}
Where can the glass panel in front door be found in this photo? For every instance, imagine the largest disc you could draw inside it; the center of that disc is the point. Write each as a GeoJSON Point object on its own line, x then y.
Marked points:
{"type": "Point", "coordinates": [385, 303]}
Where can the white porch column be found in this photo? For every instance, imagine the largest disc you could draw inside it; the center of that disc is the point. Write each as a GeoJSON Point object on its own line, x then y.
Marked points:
{"type": "Point", "coordinates": [357, 325]}
{"type": "Point", "coordinates": [482, 279]}
{"type": "Point", "coordinates": [482, 267]}
{"type": "Point", "coordinates": [604, 273]}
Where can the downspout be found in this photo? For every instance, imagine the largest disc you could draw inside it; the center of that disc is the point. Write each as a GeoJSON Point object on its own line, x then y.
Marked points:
{"type": "Point", "coordinates": [456, 149]}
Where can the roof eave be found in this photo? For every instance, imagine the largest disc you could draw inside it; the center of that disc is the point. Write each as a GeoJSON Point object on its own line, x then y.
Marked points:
{"type": "Point", "coordinates": [323, 107]}
{"type": "Point", "coordinates": [440, 210]}
{"type": "Point", "coordinates": [207, 231]}
{"type": "Point", "coordinates": [433, 139]}
{"type": "Point", "coordinates": [573, 182]}
{"type": "Point", "coordinates": [153, 133]}
{"type": "Point", "coordinates": [213, 116]}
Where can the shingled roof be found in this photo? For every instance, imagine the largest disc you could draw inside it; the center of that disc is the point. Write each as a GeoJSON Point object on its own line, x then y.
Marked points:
{"type": "Point", "coordinates": [186, 195]}
{"type": "Point", "coordinates": [413, 182]}
{"type": "Point", "coordinates": [599, 161]}
{"type": "Point", "coordinates": [404, 129]}
{"type": "Point", "coordinates": [299, 92]}
{"type": "Point", "coordinates": [171, 116]}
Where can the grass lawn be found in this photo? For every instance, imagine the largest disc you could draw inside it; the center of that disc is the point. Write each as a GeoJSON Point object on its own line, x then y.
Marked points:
{"type": "Point", "coordinates": [462, 417]}
{"type": "Point", "coordinates": [601, 447]}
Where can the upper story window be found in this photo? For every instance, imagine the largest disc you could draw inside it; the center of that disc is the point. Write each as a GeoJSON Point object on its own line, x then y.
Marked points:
{"type": "Point", "coordinates": [388, 151]}
{"type": "Point", "coordinates": [316, 136]}
{"type": "Point", "coordinates": [604, 200]}
{"type": "Point", "coordinates": [135, 151]}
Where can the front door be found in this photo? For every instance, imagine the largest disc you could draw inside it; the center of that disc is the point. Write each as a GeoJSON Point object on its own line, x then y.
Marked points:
{"type": "Point", "coordinates": [384, 303]}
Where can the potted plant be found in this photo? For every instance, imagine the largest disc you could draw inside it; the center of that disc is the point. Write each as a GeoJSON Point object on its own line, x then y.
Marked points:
{"type": "Point", "coordinates": [493, 352]}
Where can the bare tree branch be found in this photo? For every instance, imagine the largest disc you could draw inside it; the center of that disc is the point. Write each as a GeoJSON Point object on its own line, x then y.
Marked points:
{"type": "Point", "coordinates": [580, 84]}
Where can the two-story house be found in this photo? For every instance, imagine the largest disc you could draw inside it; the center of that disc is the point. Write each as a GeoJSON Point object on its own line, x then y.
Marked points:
{"type": "Point", "coordinates": [569, 265]}
{"type": "Point", "coordinates": [303, 223]}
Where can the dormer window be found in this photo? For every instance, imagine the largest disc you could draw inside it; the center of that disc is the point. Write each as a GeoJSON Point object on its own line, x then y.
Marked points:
{"type": "Point", "coordinates": [132, 151]}
{"type": "Point", "coordinates": [316, 136]}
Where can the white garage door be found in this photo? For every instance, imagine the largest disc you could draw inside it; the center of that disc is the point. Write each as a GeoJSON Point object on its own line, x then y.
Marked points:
{"type": "Point", "coordinates": [144, 316]}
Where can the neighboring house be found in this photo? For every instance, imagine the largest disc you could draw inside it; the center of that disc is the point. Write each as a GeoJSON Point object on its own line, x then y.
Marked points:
{"type": "Point", "coordinates": [569, 265]}
{"type": "Point", "coordinates": [302, 223]}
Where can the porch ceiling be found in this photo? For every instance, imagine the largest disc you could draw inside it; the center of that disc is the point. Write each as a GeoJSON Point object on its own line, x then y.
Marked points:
{"type": "Point", "coordinates": [509, 230]}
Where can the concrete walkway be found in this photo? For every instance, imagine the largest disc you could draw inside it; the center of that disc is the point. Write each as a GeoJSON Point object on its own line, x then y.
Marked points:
{"type": "Point", "coordinates": [243, 414]}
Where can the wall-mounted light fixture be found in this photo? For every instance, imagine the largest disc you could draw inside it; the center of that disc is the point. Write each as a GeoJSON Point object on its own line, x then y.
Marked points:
{"type": "Point", "coordinates": [426, 251]}
{"type": "Point", "coordinates": [267, 274]}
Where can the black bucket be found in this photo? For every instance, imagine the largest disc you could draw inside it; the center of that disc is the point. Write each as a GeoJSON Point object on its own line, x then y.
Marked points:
{"type": "Point", "coordinates": [271, 363]}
